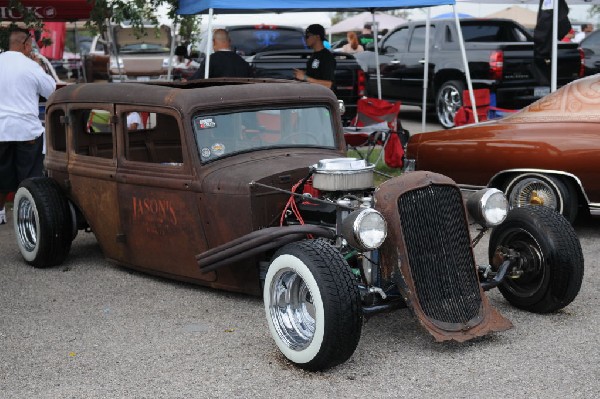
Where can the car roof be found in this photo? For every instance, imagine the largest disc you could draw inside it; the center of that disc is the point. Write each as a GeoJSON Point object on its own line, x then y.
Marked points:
{"type": "Point", "coordinates": [186, 96]}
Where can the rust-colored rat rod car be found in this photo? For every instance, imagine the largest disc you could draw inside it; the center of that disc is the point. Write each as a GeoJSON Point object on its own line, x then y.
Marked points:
{"type": "Point", "coordinates": [243, 185]}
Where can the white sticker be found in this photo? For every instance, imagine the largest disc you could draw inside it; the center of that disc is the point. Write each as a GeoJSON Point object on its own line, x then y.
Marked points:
{"type": "Point", "coordinates": [205, 152]}
{"type": "Point", "coordinates": [218, 149]}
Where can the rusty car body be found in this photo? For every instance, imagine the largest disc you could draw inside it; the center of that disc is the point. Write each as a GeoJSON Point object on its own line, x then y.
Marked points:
{"type": "Point", "coordinates": [243, 185]}
{"type": "Point", "coordinates": [546, 154]}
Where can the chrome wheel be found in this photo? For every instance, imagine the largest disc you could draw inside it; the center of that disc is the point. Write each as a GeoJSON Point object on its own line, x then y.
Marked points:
{"type": "Point", "coordinates": [27, 224]}
{"type": "Point", "coordinates": [534, 191]}
{"type": "Point", "coordinates": [312, 305]}
{"type": "Point", "coordinates": [292, 309]}
{"type": "Point", "coordinates": [448, 101]}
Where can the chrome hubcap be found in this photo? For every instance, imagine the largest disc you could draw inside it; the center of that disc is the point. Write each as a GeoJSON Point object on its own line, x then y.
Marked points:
{"type": "Point", "coordinates": [448, 103]}
{"type": "Point", "coordinates": [292, 309]}
{"type": "Point", "coordinates": [26, 224]}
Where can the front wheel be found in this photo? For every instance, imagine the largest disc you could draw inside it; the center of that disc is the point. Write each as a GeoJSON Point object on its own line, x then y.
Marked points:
{"type": "Point", "coordinates": [549, 269]}
{"type": "Point", "coordinates": [43, 222]}
{"type": "Point", "coordinates": [312, 305]}
{"type": "Point", "coordinates": [447, 102]}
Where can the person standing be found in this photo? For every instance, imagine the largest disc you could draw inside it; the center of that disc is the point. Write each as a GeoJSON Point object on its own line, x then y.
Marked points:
{"type": "Point", "coordinates": [353, 46]}
{"type": "Point", "coordinates": [320, 67]}
{"type": "Point", "coordinates": [23, 81]}
{"type": "Point", "coordinates": [586, 29]}
{"type": "Point", "coordinates": [134, 121]}
{"type": "Point", "coordinates": [366, 36]}
{"type": "Point", "coordinates": [224, 62]}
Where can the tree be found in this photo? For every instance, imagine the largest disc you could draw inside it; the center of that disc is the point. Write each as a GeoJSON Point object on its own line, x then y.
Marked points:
{"type": "Point", "coordinates": [138, 12]}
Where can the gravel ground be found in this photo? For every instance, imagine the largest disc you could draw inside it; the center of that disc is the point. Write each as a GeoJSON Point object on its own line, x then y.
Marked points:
{"type": "Point", "coordinates": [90, 329]}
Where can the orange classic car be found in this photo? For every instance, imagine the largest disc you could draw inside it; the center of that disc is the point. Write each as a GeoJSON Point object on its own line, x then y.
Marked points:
{"type": "Point", "coordinates": [546, 154]}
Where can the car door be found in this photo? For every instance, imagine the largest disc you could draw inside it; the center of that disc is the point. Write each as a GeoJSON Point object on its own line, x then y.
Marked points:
{"type": "Point", "coordinates": [391, 65]}
{"type": "Point", "coordinates": [414, 63]}
{"type": "Point", "coordinates": [160, 226]}
{"type": "Point", "coordinates": [92, 168]}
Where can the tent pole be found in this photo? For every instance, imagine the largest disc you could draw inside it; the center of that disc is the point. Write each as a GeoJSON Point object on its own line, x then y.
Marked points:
{"type": "Point", "coordinates": [172, 52]}
{"type": "Point", "coordinates": [554, 67]}
{"type": "Point", "coordinates": [376, 44]}
{"type": "Point", "coordinates": [426, 71]}
{"type": "Point", "coordinates": [208, 44]}
{"type": "Point", "coordinates": [465, 63]}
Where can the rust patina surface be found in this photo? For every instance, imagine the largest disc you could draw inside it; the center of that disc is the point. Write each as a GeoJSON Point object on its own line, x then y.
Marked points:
{"type": "Point", "coordinates": [156, 217]}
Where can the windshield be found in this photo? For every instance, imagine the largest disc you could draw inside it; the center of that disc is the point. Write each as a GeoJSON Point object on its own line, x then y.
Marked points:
{"type": "Point", "coordinates": [251, 41]}
{"type": "Point", "coordinates": [143, 48]}
{"type": "Point", "coordinates": [220, 135]}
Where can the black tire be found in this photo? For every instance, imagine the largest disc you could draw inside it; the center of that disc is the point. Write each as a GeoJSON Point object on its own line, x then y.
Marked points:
{"type": "Point", "coordinates": [550, 252]}
{"type": "Point", "coordinates": [319, 324]}
{"type": "Point", "coordinates": [447, 101]}
{"type": "Point", "coordinates": [42, 222]}
{"type": "Point", "coordinates": [540, 189]}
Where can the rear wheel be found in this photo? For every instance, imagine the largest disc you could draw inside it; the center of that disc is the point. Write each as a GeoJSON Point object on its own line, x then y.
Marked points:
{"type": "Point", "coordinates": [540, 189]}
{"type": "Point", "coordinates": [447, 101]}
{"type": "Point", "coordinates": [42, 222]}
{"type": "Point", "coordinates": [549, 270]}
{"type": "Point", "coordinates": [312, 305]}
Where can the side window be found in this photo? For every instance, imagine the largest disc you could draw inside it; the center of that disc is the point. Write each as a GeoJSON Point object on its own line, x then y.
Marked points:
{"type": "Point", "coordinates": [397, 41]}
{"type": "Point", "coordinates": [57, 131]}
{"type": "Point", "coordinates": [417, 42]}
{"type": "Point", "coordinates": [92, 133]}
{"type": "Point", "coordinates": [152, 138]}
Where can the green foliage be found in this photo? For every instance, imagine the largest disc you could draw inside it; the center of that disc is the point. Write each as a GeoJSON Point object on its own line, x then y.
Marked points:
{"type": "Point", "coordinates": [137, 12]}
{"type": "Point", "coordinates": [29, 21]}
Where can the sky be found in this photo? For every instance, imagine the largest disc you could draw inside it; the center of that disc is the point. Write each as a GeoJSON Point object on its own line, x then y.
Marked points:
{"type": "Point", "coordinates": [577, 13]}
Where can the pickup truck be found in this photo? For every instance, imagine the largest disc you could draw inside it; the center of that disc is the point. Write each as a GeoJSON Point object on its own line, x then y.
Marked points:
{"type": "Point", "coordinates": [274, 51]}
{"type": "Point", "coordinates": [499, 52]}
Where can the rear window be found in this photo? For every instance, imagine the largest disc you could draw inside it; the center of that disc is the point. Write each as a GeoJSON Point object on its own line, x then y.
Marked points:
{"type": "Point", "coordinates": [250, 41]}
{"type": "Point", "coordinates": [490, 33]}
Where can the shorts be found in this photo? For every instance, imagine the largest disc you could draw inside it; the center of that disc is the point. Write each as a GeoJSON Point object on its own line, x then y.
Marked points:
{"type": "Point", "coordinates": [18, 161]}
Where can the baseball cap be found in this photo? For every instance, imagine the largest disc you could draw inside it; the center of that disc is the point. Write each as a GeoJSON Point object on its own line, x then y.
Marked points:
{"type": "Point", "coordinates": [315, 29]}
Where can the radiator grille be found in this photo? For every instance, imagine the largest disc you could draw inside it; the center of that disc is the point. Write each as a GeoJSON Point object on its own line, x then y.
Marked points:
{"type": "Point", "coordinates": [439, 253]}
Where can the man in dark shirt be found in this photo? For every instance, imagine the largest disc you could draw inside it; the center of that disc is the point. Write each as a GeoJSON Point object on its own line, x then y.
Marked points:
{"type": "Point", "coordinates": [224, 62]}
{"type": "Point", "coordinates": [320, 67]}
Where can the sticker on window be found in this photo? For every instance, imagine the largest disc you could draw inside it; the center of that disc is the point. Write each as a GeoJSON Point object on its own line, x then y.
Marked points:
{"type": "Point", "coordinates": [206, 123]}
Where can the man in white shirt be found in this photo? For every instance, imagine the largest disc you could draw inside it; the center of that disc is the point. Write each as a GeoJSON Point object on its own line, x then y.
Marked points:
{"type": "Point", "coordinates": [586, 29]}
{"type": "Point", "coordinates": [134, 121]}
{"type": "Point", "coordinates": [22, 81]}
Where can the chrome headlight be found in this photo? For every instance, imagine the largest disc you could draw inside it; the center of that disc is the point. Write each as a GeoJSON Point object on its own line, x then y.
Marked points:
{"type": "Point", "coordinates": [365, 229]}
{"type": "Point", "coordinates": [488, 207]}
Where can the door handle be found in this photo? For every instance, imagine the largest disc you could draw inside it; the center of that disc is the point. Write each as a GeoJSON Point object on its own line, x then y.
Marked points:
{"type": "Point", "coordinates": [395, 62]}
{"type": "Point", "coordinates": [422, 61]}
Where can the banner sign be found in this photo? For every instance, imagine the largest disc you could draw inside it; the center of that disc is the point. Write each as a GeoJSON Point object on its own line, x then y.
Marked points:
{"type": "Point", "coordinates": [48, 10]}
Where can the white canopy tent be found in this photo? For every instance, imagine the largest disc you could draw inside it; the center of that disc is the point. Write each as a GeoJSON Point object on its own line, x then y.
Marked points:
{"type": "Point", "coordinates": [356, 22]}
{"type": "Point", "coordinates": [554, 4]}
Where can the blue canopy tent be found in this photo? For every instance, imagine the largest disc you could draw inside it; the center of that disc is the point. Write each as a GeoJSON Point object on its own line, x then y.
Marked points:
{"type": "Point", "coordinates": [191, 7]}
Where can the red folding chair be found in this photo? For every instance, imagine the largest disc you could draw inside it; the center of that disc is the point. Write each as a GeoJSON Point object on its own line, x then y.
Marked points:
{"type": "Point", "coordinates": [485, 104]}
{"type": "Point", "coordinates": [373, 125]}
